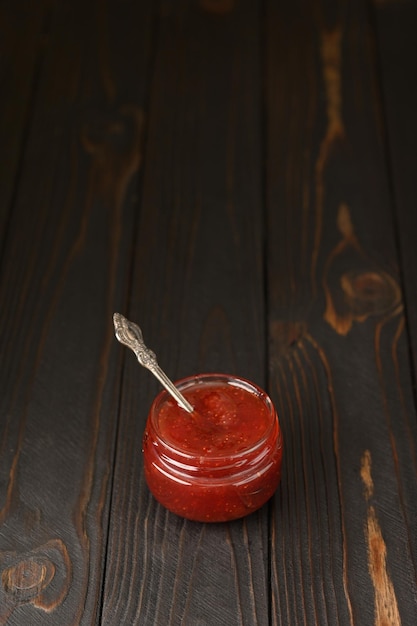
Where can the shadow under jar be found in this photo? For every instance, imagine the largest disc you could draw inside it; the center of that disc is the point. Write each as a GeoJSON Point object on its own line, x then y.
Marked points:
{"type": "Point", "coordinates": [219, 463]}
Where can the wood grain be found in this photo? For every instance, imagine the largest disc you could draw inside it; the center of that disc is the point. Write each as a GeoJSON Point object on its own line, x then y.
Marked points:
{"type": "Point", "coordinates": [386, 609]}
{"type": "Point", "coordinates": [339, 362]}
{"type": "Point", "coordinates": [198, 287]}
{"type": "Point", "coordinates": [65, 270]}
{"type": "Point", "coordinates": [396, 25]}
{"type": "Point", "coordinates": [22, 31]}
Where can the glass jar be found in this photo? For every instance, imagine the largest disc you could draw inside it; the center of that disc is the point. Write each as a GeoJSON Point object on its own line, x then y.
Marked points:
{"type": "Point", "coordinates": [219, 463]}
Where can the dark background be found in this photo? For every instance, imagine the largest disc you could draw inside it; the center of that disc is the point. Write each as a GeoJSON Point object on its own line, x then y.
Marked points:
{"type": "Point", "coordinates": [239, 178]}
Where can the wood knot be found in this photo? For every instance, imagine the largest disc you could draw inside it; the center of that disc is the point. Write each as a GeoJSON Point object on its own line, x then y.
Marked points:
{"type": "Point", "coordinates": [114, 142]}
{"type": "Point", "coordinates": [27, 578]}
{"type": "Point", "coordinates": [361, 294]}
{"type": "Point", "coordinates": [352, 295]}
{"type": "Point", "coordinates": [370, 293]}
{"type": "Point", "coordinates": [111, 133]}
{"type": "Point", "coordinates": [40, 577]}
{"type": "Point", "coordinates": [285, 335]}
{"type": "Point", "coordinates": [217, 6]}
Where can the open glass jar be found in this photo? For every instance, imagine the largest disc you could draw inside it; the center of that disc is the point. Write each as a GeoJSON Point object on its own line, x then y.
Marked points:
{"type": "Point", "coordinates": [219, 463]}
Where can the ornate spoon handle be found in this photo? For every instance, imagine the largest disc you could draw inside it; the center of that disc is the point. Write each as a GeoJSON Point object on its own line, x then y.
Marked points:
{"type": "Point", "coordinates": [130, 335]}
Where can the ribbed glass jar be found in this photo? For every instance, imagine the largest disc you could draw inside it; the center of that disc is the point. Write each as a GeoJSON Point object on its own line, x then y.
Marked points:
{"type": "Point", "coordinates": [219, 463]}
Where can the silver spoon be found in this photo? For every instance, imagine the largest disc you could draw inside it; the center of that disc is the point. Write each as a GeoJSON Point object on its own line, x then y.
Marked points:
{"type": "Point", "coordinates": [130, 335]}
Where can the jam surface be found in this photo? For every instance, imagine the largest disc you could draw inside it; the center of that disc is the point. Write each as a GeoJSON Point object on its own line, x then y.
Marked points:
{"type": "Point", "coordinates": [226, 420]}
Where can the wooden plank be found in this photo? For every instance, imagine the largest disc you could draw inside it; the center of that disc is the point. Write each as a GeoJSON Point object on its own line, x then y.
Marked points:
{"type": "Point", "coordinates": [197, 292]}
{"type": "Point", "coordinates": [66, 267]}
{"type": "Point", "coordinates": [344, 546]}
{"type": "Point", "coordinates": [397, 48]}
{"type": "Point", "coordinates": [22, 27]}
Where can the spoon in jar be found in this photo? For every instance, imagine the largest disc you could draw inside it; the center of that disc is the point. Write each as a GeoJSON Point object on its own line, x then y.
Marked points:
{"type": "Point", "coordinates": [130, 335]}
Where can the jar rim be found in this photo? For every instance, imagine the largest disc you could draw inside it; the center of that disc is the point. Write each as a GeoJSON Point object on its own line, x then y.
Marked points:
{"type": "Point", "coordinates": [207, 378]}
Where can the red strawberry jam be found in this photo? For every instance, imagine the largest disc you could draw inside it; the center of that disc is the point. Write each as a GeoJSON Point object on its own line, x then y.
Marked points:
{"type": "Point", "coordinates": [219, 463]}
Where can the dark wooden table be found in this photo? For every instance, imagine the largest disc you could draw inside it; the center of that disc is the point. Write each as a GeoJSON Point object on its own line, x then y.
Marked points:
{"type": "Point", "coordinates": [240, 178]}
